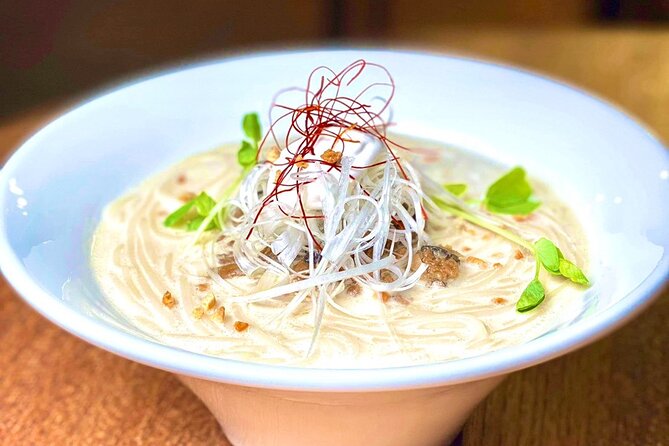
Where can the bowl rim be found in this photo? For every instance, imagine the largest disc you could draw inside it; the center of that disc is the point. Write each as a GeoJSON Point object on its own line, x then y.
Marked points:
{"type": "Point", "coordinates": [251, 374]}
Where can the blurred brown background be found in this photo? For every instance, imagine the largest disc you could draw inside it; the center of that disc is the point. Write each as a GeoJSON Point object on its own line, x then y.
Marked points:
{"type": "Point", "coordinates": [53, 48]}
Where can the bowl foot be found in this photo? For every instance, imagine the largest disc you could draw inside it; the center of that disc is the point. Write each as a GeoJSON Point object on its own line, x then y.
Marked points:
{"type": "Point", "coordinates": [266, 417]}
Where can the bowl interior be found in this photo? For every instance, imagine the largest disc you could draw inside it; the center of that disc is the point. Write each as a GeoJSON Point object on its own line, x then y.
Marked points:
{"type": "Point", "coordinates": [598, 159]}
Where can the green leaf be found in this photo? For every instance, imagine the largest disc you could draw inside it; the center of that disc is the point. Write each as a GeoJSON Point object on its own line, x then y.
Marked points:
{"type": "Point", "coordinates": [552, 259]}
{"type": "Point", "coordinates": [511, 194]}
{"type": "Point", "coordinates": [204, 204]}
{"type": "Point", "coordinates": [524, 208]}
{"type": "Point", "coordinates": [194, 223]}
{"type": "Point", "coordinates": [572, 272]}
{"type": "Point", "coordinates": [512, 187]}
{"type": "Point", "coordinates": [532, 296]}
{"type": "Point", "coordinates": [251, 126]}
{"type": "Point", "coordinates": [175, 217]}
{"type": "Point", "coordinates": [457, 189]}
{"type": "Point", "coordinates": [246, 155]}
{"type": "Point", "coordinates": [548, 254]}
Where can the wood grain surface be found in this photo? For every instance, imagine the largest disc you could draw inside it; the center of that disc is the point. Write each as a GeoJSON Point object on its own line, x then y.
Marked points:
{"type": "Point", "coordinates": [56, 389]}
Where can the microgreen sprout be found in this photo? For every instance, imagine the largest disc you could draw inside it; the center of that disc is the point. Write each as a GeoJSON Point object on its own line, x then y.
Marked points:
{"type": "Point", "coordinates": [189, 220]}
{"type": "Point", "coordinates": [211, 214]}
{"type": "Point", "coordinates": [457, 189]}
{"type": "Point", "coordinates": [247, 154]}
{"type": "Point", "coordinates": [512, 194]}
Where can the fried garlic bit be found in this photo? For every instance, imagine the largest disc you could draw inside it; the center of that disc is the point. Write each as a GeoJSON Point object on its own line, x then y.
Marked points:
{"type": "Point", "coordinates": [477, 261]}
{"type": "Point", "coordinates": [301, 164]}
{"type": "Point", "coordinates": [187, 196]}
{"type": "Point", "coordinates": [273, 154]}
{"type": "Point", "coordinates": [241, 326]}
{"type": "Point", "coordinates": [168, 300]}
{"type": "Point", "coordinates": [209, 302]}
{"type": "Point", "coordinates": [331, 156]}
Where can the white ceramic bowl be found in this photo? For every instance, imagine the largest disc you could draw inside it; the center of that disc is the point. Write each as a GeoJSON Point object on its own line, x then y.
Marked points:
{"type": "Point", "coordinates": [55, 186]}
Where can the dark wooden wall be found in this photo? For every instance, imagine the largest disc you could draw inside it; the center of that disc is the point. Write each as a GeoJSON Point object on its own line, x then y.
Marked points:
{"type": "Point", "coordinates": [51, 49]}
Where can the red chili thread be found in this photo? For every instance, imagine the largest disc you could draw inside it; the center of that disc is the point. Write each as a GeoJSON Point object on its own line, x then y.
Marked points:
{"type": "Point", "coordinates": [327, 112]}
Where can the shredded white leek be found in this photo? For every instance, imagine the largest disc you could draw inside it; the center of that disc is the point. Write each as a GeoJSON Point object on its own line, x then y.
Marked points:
{"type": "Point", "coordinates": [367, 231]}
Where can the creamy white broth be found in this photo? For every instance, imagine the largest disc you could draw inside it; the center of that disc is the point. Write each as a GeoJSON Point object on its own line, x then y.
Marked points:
{"type": "Point", "coordinates": [136, 259]}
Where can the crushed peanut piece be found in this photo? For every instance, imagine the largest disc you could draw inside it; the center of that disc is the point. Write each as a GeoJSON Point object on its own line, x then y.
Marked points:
{"type": "Point", "coordinates": [497, 265]}
{"type": "Point", "coordinates": [519, 255]}
{"type": "Point", "coordinates": [466, 249]}
{"type": "Point", "coordinates": [276, 176]}
{"type": "Point", "coordinates": [476, 261]}
{"type": "Point", "coordinates": [241, 326]}
{"type": "Point", "coordinates": [220, 314]}
{"type": "Point", "coordinates": [209, 302]}
{"type": "Point", "coordinates": [202, 287]}
{"type": "Point", "coordinates": [385, 296]}
{"type": "Point", "coordinates": [273, 154]}
{"type": "Point", "coordinates": [331, 156]}
{"type": "Point", "coordinates": [181, 179]}
{"type": "Point", "coordinates": [198, 312]}
{"type": "Point", "coordinates": [168, 300]}
{"type": "Point", "coordinates": [521, 218]}
{"type": "Point", "coordinates": [499, 301]}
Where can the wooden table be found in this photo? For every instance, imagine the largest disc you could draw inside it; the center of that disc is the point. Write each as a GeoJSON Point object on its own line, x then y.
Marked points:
{"type": "Point", "coordinates": [56, 389]}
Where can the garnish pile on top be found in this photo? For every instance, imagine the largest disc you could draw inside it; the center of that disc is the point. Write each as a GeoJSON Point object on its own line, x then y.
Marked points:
{"type": "Point", "coordinates": [324, 200]}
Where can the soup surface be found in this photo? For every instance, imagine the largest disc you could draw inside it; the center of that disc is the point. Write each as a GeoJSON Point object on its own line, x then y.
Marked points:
{"type": "Point", "coordinates": [137, 260]}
